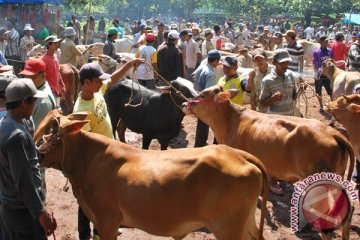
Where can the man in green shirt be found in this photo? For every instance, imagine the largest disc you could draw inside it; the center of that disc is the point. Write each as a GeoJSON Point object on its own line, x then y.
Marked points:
{"type": "Point", "coordinates": [44, 32]}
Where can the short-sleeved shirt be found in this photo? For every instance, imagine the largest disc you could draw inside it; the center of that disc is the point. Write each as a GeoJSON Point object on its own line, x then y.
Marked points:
{"type": "Point", "coordinates": [206, 46]}
{"type": "Point", "coordinates": [234, 83]}
{"type": "Point", "coordinates": [98, 114]}
{"type": "Point", "coordinates": [273, 83]}
{"type": "Point", "coordinates": [339, 50]}
{"type": "Point", "coordinates": [320, 55]}
{"type": "Point", "coordinates": [204, 77]}
{"type": "Point", "coordinates": [69, 52]}
{"type": "Point", "coordinates": [296, 53]}
{"type": "Point", "coordinates": [52, 73]}
{"type": "Point", "coordinates": [26, 44]}
{"type": "Point", "coordinates": [192, 51]}
{"type": "Point", "coordinates": [148, 53]}
{"type": "Point", "coordinates": [43, 105]}
{"type": "Point", "coordinates": [44, 33]}
{"type": "Point", "coordinates": [255, 93]}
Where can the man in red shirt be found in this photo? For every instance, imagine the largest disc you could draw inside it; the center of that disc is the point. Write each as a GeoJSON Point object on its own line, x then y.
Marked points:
{"type": "Point", "coordinates": [339, 49]}
{"type": "Point", "coordinates": [52, 73]}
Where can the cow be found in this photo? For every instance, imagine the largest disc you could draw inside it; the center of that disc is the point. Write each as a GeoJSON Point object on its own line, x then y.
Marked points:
{"type": "Point", "coordinates": [291, 148]}
{"type": "Point", "coordinates": [346, 110]}
{"type": "Point", "coordinates": [107, 64]}
{"type": "Point", "coordinates": [342, 82]}
{"type": "Point", "coordinates": [126, 57]}
{"type": "Point", "coordinates": [123, 45]}
{"type": "Point", "coordinates": [158, 114]}
{"type": "Point", "coordinates": [70, 77]}
{"type": "Point", "coordinates": [166, 193]}
{"type": "Point", "coordinates": [309, 48]}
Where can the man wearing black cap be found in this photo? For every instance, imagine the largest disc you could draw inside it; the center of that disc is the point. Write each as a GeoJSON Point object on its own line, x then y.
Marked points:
{"type": "Point", "coordinates": [22, 208]}
{"type": "Point", "coordinates": [319, 56]}
{"type": "Point", "coordinates": [92, 101]}
{"type": "Point", "coordinates": [205, 77]}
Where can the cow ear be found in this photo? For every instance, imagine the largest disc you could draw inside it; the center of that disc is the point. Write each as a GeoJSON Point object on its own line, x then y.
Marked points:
{"type": "Point", "coordinates": [73, 127]}
{"type": "Point", "coordinates": [78, 116]}
{"type": "Point", "coordinates": [223, 96]}
{"type": "Point", "coordinates": [354, 108]}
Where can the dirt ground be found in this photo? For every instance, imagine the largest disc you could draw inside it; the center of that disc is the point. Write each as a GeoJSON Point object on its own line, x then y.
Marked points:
{"type": "Point", "coordinates": [277, 224]}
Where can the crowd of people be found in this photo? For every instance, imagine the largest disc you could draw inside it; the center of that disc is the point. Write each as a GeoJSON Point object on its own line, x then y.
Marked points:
{"type": "Point", "coordinates": [163, 52]}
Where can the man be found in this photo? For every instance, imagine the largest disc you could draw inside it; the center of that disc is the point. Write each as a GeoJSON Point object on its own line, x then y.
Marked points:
{"type": "Point", "coordinates": [137, 36]}
{"type": "Point", "coordinates": [68, 48]}
{"type": "Point", "coordinates": [278, 40]}
{"type": "Point", "coordinates": [77, 27]}
{"type": "Point", "coordinates": [102, 25]}
{"type": "Point", "coordinates": [22, 207]}
{"type": "Point", "coordinates": [117, 26]}
{"type": "Point", "coordinates": [44, 32]}
{"type": "Point", "coordinates": [232, 80]}
{"type": "Point", "coordinates": [353, 39]}
{"type": "Point", "coordinates": [146, 75]}
{"type": "Point", "coordinates": [193, 56]}
{"type": "Point", "coordinates": [12, 52]}
{"type": "Point", "coordinates": [332, 33]}
{"type": "Point", "coordinates": [216, 38]}
{"type": "Point", "coordinates": [246, 35]}
{"type": "Point", "coordinates": [320, 33]}
{"type": "Point", "coordinates": [109, 47]}
{"type": "Point", "coordinates": [3, 39]}
{"type": "Point", "coordinates": [195, 31]}
{"type": "Point", "coordinates": [296, 52]}
{"type": "Point", "coordinates": [354, 55]}
{"type": "Point", "coordinates": [278, 93]}
{"type": "Point", "coordinates": [262, 68]}
{"type": "Point", "coordinates": [309, 32]}
{"type": "Point", "coordinates": [89, 30]}
{"type": "Point", "coordinates": [27, 42]}
{"type": "Point", "coordinates": [339, 49]}
{"type": "Point", "coordinates": [184, 37]}
{"type": "Point", "coordinates": [265, 39]}
{"type": "Point", "coordinates": [205, 77]}
{"type": "Point", "coordinates": [92, 101]}
{"type": "Point", "coordinates": [159, 35]}
{"type": "Point", "coordinates": [52, 72]}
{"type": "Point", "coordinates": [319, 56]}
{"type": "Point", "coordinates": [228, 34]}
{"type": "Point", "coordinates": [169, 58]}
{"type": "Point", "coordinates": [127, 27]}
{"type": "Point", "coordinates": [207, 45]}
{"type": "Point", "coordinates": [5, 80]}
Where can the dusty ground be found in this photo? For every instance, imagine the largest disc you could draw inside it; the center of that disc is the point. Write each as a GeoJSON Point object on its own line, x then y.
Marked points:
{"type": "Point", "coordinates": [277, 224]}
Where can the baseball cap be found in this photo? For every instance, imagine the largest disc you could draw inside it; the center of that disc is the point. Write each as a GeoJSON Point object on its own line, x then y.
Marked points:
{"type": "Point", "coordinates": [22, 88]}
{"type": "Point", "coordinates": [278, 35]}
{"type": "Point", "coordinates": [207, 31]}
{"type": "Point", "coordinates": [290, 33]}
{"type": "Point", "coordinates": [259, 52]}
{"type": "Point", "coordinates": [323, 38]}
{"type": "Point", "coordinates": [5, 80]}
{"type": "Point", "coordinates": [214, 54]}
{"type": "Point", "coordinates": [69, 31]}
{"type": "Point", "coordinates": [281, 55]}
{"type": "Point", "coordinates": [142, 26]}
{"type": "Point", "coordinates": [173, 34]}
{"type": "Point", "coordinates": [150, 37]}
{"type": "Point", "coordinates": [112, 30]}
{"type": "Point", "coordinates": [33, 66]}
{"type": "Point", "coordinates": [92, 70]}
{"type": "Point", "coordinates": [51, 39]}
{"type": "Point", "coordinates": [3, 31]}
{"type": "Point", "coordinates": [229, 61]}
{"type": "Point", "coordinates": [184, 33]}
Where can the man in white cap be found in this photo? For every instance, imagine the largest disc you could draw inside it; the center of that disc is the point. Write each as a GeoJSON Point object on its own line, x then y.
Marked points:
{"type": "Point", "coordinates": [207, 45]}
{"type": "Point", "coordinates": [22, 207]}
{"type": "Point", "coordinates": [68, 48]}
{"type": "Point", "coordinates": [27, 42]}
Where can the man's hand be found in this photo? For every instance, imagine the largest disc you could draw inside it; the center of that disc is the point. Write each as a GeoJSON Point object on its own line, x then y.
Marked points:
{"type": "Point", "coordinates": [47, 222]}
{"type": "Point", "coordinates": [276, 97]}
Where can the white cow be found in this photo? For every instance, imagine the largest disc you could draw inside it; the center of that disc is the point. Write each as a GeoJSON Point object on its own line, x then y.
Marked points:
{"type": "Point", "coordinates": [123, 45]}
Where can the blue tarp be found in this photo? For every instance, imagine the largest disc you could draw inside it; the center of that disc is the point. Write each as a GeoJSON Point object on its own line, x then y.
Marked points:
{"type": "Point", "coordinates": [354, 18]}
{"type": "Point", "coordinates": [29, 1]}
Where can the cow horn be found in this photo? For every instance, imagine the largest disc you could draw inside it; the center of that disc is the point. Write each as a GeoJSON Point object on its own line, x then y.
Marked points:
{"type": "Point", "coordinates": [346, 98]}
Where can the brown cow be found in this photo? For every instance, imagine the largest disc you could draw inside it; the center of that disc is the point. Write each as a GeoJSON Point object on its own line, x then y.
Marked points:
{"type": "Point", "coordinates": [168, 193]}
{"type": "Point", "coordinates": [70, 77]}
{"type": "Point", "coordinates": [342, 82]}
{"type": "Point", "coordinates": [291, 148]}
{"type": "Point", "coordinates": [346, 110]}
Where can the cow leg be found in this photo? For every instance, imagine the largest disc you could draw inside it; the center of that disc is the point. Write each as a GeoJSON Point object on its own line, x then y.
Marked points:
{"type": "Point", "coordinates": [346, 227]}
{"type": "Point", "coordinates": [179, 237]}
{"type": "Point", "coordinates": [146, 142]}
{"type": "Point", "coordinates": [121, 128]}
{"type": "Point", "coordinates": [164, 143]}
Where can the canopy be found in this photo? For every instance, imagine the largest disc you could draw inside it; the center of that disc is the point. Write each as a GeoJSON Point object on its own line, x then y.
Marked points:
{"type": "Point", "coordinates": [30, 1]}
{"type": "Point", "coordinates": [354, 18]}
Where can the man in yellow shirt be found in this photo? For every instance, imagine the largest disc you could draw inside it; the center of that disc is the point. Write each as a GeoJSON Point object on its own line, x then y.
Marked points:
{"type": "Point", "coordinates": [232, 80]}
{"type": "Point", "coordinates": [92, 101]}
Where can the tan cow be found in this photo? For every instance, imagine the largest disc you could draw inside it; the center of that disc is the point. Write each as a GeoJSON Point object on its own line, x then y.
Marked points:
{"type": "Point", "coordinates": [167, 193]}
{"type": "Point", "coordinates": [291, 148]}
{"type": "Point", "coordinates": [309, 47]}
{"type": "Point", "coordinates": [107, 64]}
{"type": "Point", "coordinates": [346, 110]}
{"type": "Point", "coordinates": [342, 82]}
{"type": "Point", "coordinates": [70, 77]}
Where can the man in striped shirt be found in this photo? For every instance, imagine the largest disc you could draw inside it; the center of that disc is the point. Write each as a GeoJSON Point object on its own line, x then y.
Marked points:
{"type": "Point", "coordinates": [12, 51]}
{"type": "Point", "coordinates": [296, 52]}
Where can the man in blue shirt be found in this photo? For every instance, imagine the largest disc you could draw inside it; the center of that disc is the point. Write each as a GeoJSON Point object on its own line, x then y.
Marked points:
{"type": "Point", "coordinates": [204, 77]}
{"type": "Point", "coordinates": [319, 56]}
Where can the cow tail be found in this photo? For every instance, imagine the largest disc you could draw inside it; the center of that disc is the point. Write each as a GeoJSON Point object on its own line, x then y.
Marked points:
{"type": "Point", "coordinates": [343, 141]}
{"type": "Point", "coordinates": [265, 189]}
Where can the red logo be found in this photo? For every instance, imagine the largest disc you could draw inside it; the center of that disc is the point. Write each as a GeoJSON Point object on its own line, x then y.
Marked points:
{"type": "Point", "coordinates": [325, 205]}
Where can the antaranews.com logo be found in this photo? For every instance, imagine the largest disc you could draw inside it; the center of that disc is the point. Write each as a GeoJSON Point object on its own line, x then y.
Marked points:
{"type": "Point", "coordinates": [323, 200]}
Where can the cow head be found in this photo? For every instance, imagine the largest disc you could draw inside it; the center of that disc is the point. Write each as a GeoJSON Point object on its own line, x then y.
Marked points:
{"type": "Point", "coordinates": [97, 49]}
{"type": "Point", "coordinates": [50, 134]}
{"type": "Point", "coordinates": [211, 96]}
{"type": "Point", "coordinates": [37, 50]}
{"type": "Point", "coordinates": [349, 103]}
{"type": "Point", "coordinates": [185, 87]}
{"type": "Point", "coordinates": [106, 63]}
{"type": "Point", "coordinates": [329, 67]}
